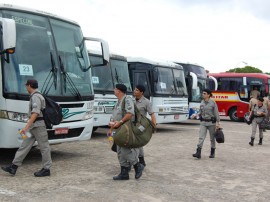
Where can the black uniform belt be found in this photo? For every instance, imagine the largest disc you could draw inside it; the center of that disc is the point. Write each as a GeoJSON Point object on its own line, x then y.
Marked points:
{"type": "Point", "coordinates": [257, 116]}
{"type": "Point", "coordinates": [206, 120]}
{"type": "Point", "coordinates": [39, 119]}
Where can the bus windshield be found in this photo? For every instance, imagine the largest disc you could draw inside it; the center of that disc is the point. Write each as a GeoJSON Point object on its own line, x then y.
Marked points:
{"type": "Point", "coordinates": [120, 73]}
{"type": "Point", "coordinates": [101, 81]}
{"type": "Point", "coordinates": [198, 70]}
{"type": "Point", "coordinates": [170, 81]}
{"type": "Point", "coordinates": [46, 55]}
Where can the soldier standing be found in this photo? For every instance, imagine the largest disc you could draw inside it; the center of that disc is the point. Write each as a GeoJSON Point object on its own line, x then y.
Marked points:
{"type": "Point", "coordinates": [260, 112]}
{"type": "Point", "coordinates": [144, 106]}
{"type": "Point", "coordinates": [126, 156]}
{"type": "Point", "coordinates": [37, 128]}
{"type": "Point", "coordinates": [210, 121]}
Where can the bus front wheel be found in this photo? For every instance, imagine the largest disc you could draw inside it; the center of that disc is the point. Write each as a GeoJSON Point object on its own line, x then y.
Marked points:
{"type": "Point", "coordinates": [233, 114]}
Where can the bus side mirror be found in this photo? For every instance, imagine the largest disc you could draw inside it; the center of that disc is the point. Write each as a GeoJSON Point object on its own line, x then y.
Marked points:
{"type": "Point", "coordinates": [8, 29]}
{"type": "Point", "coordinates": [104, 49]}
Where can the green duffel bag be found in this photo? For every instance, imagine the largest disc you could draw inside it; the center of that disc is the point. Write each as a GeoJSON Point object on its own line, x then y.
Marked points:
{"type": "Point", "coordinates": [134, 134]}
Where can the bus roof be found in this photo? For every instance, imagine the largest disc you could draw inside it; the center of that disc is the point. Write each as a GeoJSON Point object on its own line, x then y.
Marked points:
{"type": "Point", "coordinates": [232, 74]}
{"type": "Point", "coordinates": [152, 62]}
{"type": "Point", "coordinates": [187, 63]}
{"type": "Point", "coordinates": [112, 55]}
{"type": "Point", "coordinates": [34, 11]}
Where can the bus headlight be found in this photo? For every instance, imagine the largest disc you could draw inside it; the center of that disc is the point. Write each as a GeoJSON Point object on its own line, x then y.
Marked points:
{"type": "Point", "coordinates": [99, 109]}
{"type": "Point", "coordinates": [3, 115]}
{"type": "Point", "coordinates": [163, 109]}
{"type": "Point", "coordinates": [88, 115]}
{"type": "Point", "coordinates": [16, 116]}
{"type": "Point", "coordinates": [185, 109]}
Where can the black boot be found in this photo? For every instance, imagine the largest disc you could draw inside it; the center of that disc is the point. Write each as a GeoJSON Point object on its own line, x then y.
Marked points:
{"type": "Point", "coordinates": [129, 168]}
{"type": "Point", "coordinates": [138, 170]}
{"type": "Point", "coordinates": [251, 141]}
{"type": "Point", "coordinates": [10, 169]}
{"type": "Point", "coordinates": [212, 154]}
{"type": "Point", "coordinates": [43, 173]}
{"type": "Point", "coordinates": [198, 153]}
{"type": "Point", "coordinates": [123, 174]}
{"type": "Point", "coordinates": [260, 141]}
{"type": "Point", "coordinates": [141, 160]}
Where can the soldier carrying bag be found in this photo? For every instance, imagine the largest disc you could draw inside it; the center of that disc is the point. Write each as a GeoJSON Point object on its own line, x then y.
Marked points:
{"type": "Point", "coordinates": [134, 134]}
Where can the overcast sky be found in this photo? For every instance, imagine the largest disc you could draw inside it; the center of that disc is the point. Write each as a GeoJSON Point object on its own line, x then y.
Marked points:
{"type": "Point", "coordinates": [217, 34]}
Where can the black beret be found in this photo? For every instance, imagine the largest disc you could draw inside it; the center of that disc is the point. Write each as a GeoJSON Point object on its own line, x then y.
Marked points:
{"type": "Point", "coordinates": [121, 87]}
{"type": "Point", "coordinates": [32, 82]}
{"type": "Point", "coordinates": [140, 88]}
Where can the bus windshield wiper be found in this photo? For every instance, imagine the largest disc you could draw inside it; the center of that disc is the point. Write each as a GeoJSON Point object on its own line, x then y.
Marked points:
{"type": "Point", "coordinates": [52, 75]}
{"type": "Point", "coordinates": [117, 77]}
{"type": "Point", "coordinates": [67, 79]}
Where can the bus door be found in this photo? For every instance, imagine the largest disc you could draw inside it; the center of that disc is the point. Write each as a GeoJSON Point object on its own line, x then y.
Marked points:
{"type": "Point", "coordinates": [141, 77]}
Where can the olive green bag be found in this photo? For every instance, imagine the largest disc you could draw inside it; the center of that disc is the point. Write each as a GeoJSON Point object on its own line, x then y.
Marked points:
{"type": "Point", "coordinates": [134, 134]}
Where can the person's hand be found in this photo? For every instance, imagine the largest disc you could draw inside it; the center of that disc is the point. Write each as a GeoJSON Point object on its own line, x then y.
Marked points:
{"type": "Point", "coordinates": [116, 124]}
{"type": "Point", "coordinates": [23, 131]}
{"type": "Point", "coordinates": [217, 125]}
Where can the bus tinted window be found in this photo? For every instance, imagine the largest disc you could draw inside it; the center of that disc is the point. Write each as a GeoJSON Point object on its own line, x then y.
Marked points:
{"type": "Point", "coordinates": [230, 83]}
{"type": "Point", "coordinates": [199, 71]}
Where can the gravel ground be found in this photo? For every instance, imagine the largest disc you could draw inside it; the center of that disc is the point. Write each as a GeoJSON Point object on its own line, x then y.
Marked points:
{"type": "Point", "coordinates": [83, 171]}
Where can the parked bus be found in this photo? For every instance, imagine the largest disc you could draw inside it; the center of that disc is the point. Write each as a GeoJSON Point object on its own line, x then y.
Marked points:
{"type": "Point", "coordinates": [233, 92]}
{"type": "Point", "coordinates": [196, 80]}
{"type": "Point", "coordinates": [104, 79]}
{"type": "Point", "coordinates": [165, 87]}
{"type": "Point", "coordinates": [51, 50]}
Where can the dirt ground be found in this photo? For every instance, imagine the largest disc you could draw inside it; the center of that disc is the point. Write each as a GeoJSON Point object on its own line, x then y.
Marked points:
{"type": "Point", "coordinates": [83, 171]}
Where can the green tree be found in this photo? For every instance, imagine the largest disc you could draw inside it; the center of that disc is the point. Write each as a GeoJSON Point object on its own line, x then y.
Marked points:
{"type": "Point", "coordinates": [246, 69]}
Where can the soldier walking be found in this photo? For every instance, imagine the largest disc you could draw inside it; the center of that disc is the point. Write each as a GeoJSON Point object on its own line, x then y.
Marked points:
{"type": "Point", "coordinates": [37, 128]}
{"type": "Point", "coordinates": [126, 156]}
{"type": "Point", "coordinates": [260, 111]}
{"type": "Point", "coordinates": [144, 106]}
{"type": "Point", "coordinates": [210, 121]}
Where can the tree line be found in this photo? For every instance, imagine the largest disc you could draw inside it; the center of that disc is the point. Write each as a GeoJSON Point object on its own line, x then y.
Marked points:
{"type": "Point", "coordinates": [247, 69]}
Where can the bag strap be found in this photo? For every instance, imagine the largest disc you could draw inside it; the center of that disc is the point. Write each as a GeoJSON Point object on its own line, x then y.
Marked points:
{"type": "Point", "coordinates": [137, 112]}
{"type": "Point", "coordinates": [36, 92]}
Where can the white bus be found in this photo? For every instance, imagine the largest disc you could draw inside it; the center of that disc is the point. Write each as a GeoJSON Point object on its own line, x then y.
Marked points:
{"type": "Point", "coordinates": [165, 87]}
{"type": "Point", "coordinates": [104, 79]}
{"type": "Point", "coordinates": [51, 50]}
{"type": "Point", "coordinates": [196, 80]}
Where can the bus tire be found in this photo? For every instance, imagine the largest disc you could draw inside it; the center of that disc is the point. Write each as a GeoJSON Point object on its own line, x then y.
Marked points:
{"type": "Point", "coordinates": [233, 114]}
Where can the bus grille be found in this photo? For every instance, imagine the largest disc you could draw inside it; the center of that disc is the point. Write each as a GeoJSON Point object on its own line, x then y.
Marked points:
{"type": "Point", "coordinates": [108, 110]}
{"type": "Point", "coordinates": [74, 132]}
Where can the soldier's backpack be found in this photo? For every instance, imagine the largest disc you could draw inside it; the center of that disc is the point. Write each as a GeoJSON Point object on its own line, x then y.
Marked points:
{"type": "Point", "coordinates": [52, 113]}
{"type": "Point", "coordinates": [134, 134]}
